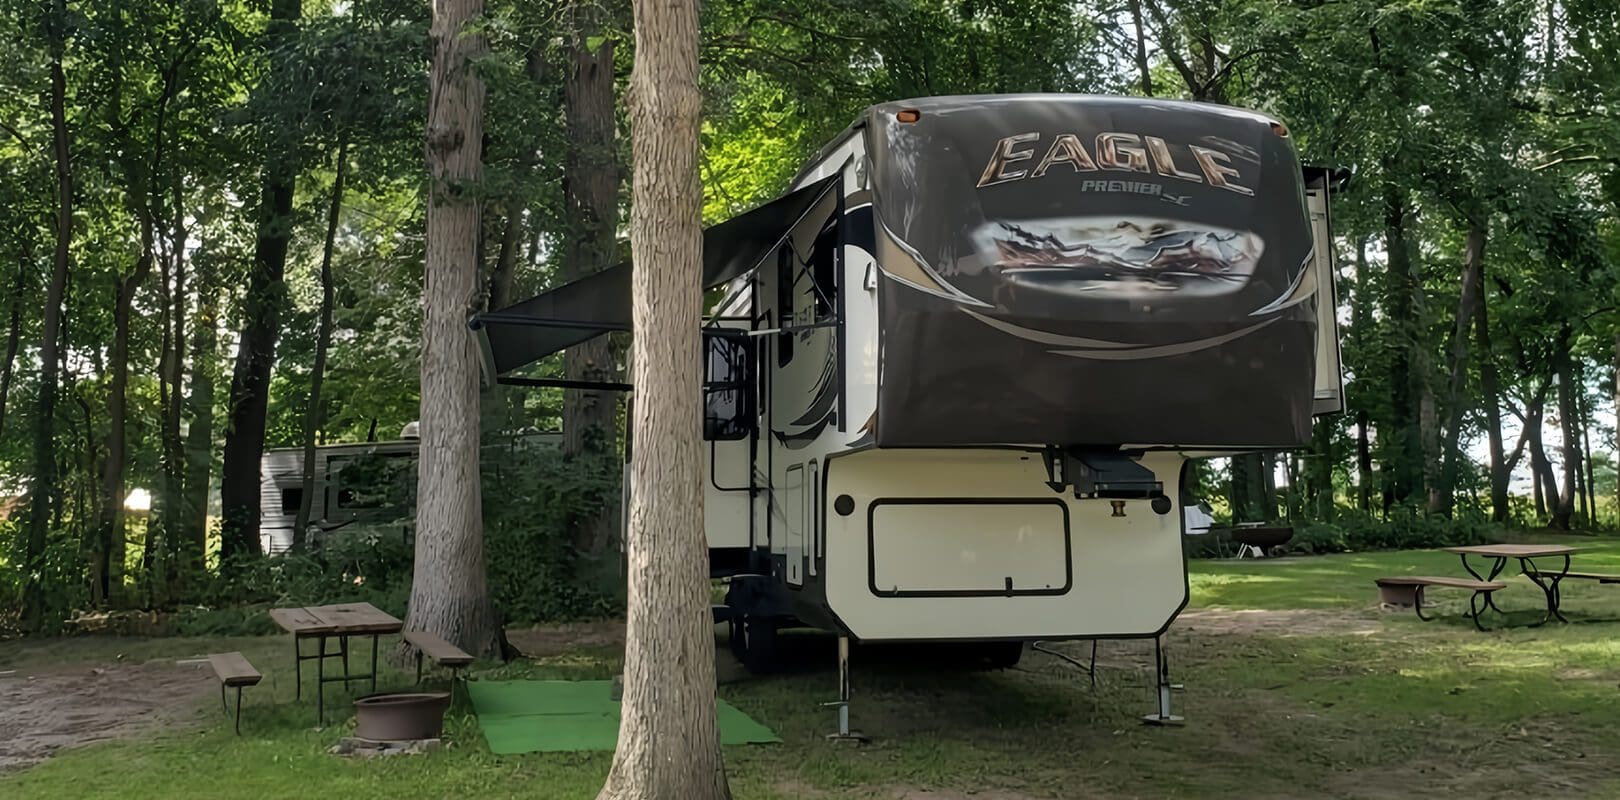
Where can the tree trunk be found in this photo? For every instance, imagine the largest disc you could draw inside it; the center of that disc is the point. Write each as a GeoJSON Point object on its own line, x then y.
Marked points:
{"type": "Point", "coordinates": [1490, 395]}
{"type": "Point", "coordinates": [13, 335]}
{"type": "Point", "coordinates": [591, 189]}
{"type": "Point", "coordinates": [199, 449]}
{"type": "Point", "coordinates": [177, 557]}
{"type": "Point", "coordinates": [449, 593]}
{"type": "Point", "coordinates": [256, 349]}
{"type": "Point", "coordinates": [1142, 65]}
{"type": "Point", "coordinates": [1468, 302]}
{"type": "Point", "coordinates": [1358, 329]}
{"type": "Point", "coordinates": [110, 531]}
{"type": "Point", "coordinates": [1322, 461]}
{"type": "Point", "coordinates": [1571, 450]}
{"type": "Point", "coordinates": [1589, 481]}
{"type": "Point", "coordinates": [669, 744]}
{"type": "Point", "coordinates": [315, 414]}
{"type": "Point", "coordinates": [44, 486]}
{"type": "Point", "coordinates": [1546, 483]}
{"type": "Point", "coordinates": [1406, 379]}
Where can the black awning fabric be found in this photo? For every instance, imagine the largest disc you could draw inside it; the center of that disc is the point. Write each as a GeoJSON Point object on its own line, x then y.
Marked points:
{"type": "Point", "coordinates": [525, 332]}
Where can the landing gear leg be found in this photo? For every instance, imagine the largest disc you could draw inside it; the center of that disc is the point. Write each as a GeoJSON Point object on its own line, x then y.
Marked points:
{"type": "Point", "coordinates": [844, 734]}
{"type": "Point", "coordinates": [1161, 669]}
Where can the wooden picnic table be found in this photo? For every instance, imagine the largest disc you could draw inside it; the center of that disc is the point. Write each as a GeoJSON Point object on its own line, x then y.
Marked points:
{"type": "Point", "coordinates": [1546, 580]}
{"type": "Point", "coordinates": [335, 621]}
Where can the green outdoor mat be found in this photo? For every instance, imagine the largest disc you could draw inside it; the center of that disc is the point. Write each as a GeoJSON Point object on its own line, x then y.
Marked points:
{"type": "Point", "coordinates": [549, 716]}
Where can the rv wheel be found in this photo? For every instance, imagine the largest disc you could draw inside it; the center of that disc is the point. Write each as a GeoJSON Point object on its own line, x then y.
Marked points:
{"type": "Point", "coordinates": [758, 644]}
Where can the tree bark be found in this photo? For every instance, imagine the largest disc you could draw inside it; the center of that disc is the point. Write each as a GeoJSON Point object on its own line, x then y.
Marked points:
{"type": "Point", "coordinates": [1402, 310]}
{"type": "Point", "coordinates": [591, 190]}
{"type": "Point", "coordinates": [256, 349]}
{"type": "Point", "coordinates": [449, 591]}
{"type": "Point", "coordinates": [199, 449]}
{"type": "Point", "coordinates": [1571, 449]}
{"type": "Point", "coordinates": [1468, 302]}
{"type": "Point", "coordinates": [1358, 330]}
{"type": "Point", "coordinates": [669, 744]}
{"type": "Point", "coordinates": [1490, 395]}
{"type": "Point", "coordinates": [315, 414]}
{"type": "Point", "coordinates": [168, 511]}
{"type": "Point", "coordinates": [110, 530]}
{"type": "Point", "coordinates": [44, 488]}
{"type": "Point", "coordinates": [1142, 65]}
{"type": "Point", "coordinates": [13, 336]}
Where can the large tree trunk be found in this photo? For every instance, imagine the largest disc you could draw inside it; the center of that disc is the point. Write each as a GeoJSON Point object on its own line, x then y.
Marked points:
{"type": "Point", "coordinates": [315, 414]}
{"type": "Point", "coordinates": [1571, 449]}
{"type": "Point", "coordinates": [669, 744]}
{"type": "Point", "coordinates": [1406, 379]}
{"type": "Point", "coordinates": [591, 188]}
{"type": "Point", "coordinates": [43, 488]}
{"type": "Point", "coordinates": [449, 593]}
{"type": "Point", "coordinates": [1358, 329]}
{"type": "Point", "coordinates": [1468, 302]}
{"type": "Point", "coordinates": [256, 349]}
{"type": "Point", "coordinates": [1490, 395]}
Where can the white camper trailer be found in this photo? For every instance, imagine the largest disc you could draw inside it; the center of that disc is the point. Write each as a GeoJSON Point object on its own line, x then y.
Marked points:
{"type": "Point", "coordinates": [341, 496]}
{"type": "Point", "coordinates": [354, 482]}
{"type": "Point", "coordinates": [959, 367]}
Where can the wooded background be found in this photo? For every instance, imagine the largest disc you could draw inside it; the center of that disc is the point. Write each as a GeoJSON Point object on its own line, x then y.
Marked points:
{"type": "Point", "coordinates": [212, 219]}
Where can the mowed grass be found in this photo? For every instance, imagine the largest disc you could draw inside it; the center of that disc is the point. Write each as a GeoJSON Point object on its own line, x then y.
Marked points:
{"type": "Point", "coordinates": [1338, 700]}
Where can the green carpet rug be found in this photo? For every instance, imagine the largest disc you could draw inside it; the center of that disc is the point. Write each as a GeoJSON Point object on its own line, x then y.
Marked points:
{"type": "Point", "coordinates": [550, 716]}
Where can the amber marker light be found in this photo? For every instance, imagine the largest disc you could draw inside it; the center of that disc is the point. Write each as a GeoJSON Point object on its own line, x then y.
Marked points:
{"type": "Point", "coordinates": [1279, 129]}
{"type": "Point", "coordinates": [908, 115]}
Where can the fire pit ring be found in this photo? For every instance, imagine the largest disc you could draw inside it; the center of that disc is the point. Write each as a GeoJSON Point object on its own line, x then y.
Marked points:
{"type": "Point", "coordinates": [397, 717]}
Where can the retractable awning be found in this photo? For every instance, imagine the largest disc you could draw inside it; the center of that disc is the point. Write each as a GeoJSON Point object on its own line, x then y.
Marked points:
{"type": "Point", "coordinates": [525, 332]}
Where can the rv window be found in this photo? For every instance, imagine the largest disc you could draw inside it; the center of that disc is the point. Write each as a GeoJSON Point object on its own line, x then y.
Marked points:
{"type": "Point", "coordinates": [727, 394]}
{"type": "Point", "coordinates": [291, 499]}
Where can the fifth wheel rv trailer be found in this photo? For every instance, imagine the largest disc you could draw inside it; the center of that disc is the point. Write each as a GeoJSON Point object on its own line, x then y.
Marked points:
{"type": "Point", "coordinates": [958, 369]}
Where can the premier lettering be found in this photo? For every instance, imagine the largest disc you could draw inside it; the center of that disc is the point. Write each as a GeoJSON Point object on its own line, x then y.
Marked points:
{"type": "Point", "coordinates": [1114, 151]}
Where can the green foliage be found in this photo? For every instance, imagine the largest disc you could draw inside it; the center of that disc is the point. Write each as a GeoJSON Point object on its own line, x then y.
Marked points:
{"type": "Point", "coordinates": [534, 498]}
{"type": "Point", "coordinates": [1406, 529]}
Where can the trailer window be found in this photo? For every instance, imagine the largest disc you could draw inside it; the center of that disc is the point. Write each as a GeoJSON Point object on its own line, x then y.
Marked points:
{"type": "Point", "coordinates": [291, 499]}
{"type": "Point", "coordinates": [727, 393]}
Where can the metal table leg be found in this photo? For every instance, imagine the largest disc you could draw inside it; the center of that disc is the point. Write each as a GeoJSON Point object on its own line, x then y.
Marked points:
{"type": "Point", "coordinates": [320, 684]}
{"type": "Point", "coordinates": [374, 663]}
{"type": "Point", "coordinates": [343, 647]}
{"type": "Point", "coordinates": [1498, 564]}
{"type": "Point", "coordinates": [1549, 586]}
{"type": "Point", "coordinates": [298, 668]}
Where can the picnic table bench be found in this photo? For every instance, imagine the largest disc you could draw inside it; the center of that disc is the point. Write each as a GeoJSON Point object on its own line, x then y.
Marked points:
{"type": "Point", "coordinates": [442, 652]}
{"type": "Point", "coordinates": [1526, 554]}
{"type": "Point", "coordinates": [1407, 590]}
{"type": "Point", "coordinates": [340, 621]}
{"type": "Point", "coordinates": [233, 670]}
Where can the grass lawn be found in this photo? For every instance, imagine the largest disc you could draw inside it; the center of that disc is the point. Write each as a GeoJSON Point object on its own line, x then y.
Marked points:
{"type": "Point", "coordinates": [1296, 687]}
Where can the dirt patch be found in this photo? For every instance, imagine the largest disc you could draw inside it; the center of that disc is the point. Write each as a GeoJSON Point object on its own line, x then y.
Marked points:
{"type": "Point", "coordinates": [45, 710]}
{"type": "Point", "coordinates": [545, 641]}
{"type": "Point", "coordinates": [1289, 622]}
{"type": "Point", "coordinates": [952, 794]}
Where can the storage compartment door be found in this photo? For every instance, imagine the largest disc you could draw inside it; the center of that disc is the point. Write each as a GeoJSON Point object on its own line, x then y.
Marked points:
{"type": "Point", "coordinates": [969, 548]}
{"type": "Point", "coordinates": [1329, 396]}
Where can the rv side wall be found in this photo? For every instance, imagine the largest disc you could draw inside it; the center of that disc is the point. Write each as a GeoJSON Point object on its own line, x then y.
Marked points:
{"type": "Point", "coordinates": [972, 544]}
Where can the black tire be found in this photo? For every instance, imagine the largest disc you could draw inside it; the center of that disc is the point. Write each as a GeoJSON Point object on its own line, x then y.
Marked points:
{"type": "Point", "coordinates": [1003, 655]}
{"type": "Point", "coordinates": [758, 641]}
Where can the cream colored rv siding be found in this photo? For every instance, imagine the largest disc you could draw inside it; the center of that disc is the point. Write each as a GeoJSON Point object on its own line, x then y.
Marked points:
{"type": "Point", "coordinates": [1127, 574]}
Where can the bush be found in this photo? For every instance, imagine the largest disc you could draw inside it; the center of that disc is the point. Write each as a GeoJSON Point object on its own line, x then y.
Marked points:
{"type": "Point", "coordinates": [1406, 529]}
{"type": "Point", "coordinates": [534, 500]}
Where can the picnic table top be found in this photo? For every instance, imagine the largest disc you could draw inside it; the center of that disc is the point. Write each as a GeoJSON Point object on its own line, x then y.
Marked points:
{"type": "Point", "coordinates": [1513, 550]}
{"type": "Point", "coordinates": [344, 618]}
